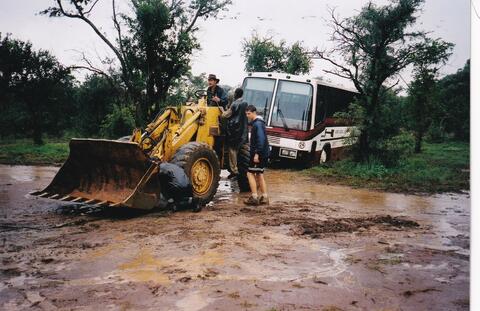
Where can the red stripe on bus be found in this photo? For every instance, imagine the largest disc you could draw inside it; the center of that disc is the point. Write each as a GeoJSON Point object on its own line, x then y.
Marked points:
{"type": "Point", "coordinates": [304, 135]}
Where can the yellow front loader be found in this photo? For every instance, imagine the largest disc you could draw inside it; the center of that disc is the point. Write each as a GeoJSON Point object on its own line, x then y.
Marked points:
{"type": "Point", "coordinates": [124, 173]}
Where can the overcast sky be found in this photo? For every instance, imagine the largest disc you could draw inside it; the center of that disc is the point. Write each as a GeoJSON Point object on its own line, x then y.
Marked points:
{"type": "Point", "coordinates": [292, 20]}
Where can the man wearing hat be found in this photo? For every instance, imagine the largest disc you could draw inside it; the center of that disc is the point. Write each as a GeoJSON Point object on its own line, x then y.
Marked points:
{"type": "Point", "coordinates": [215, 94]}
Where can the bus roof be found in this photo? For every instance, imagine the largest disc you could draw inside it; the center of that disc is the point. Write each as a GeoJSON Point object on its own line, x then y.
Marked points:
{"type": "Point", "coordinates": [297, 78]}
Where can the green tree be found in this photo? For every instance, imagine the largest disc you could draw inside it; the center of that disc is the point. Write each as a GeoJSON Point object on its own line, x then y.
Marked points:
{"type": "Point", "coordinates": [454, 97]}
{"type": "Point", "coordinates": [120, 122]}
{"type": "Point", "coordinates": [155, 49]}
{"type": "Point", "coordinates": [298, 60]}
{"type": "Point", "coordinates": [95, 99]}
{"type": "Point", "coordinates": [422, 101]}
{"type": "Point", "coordinates": [265, 55]}
{"type": "Point", "coordinates": [374, 46]}
{"type": "Point", "coordinates": [35, 90]}
{"type": "Point", "coordinates": [184, 88]}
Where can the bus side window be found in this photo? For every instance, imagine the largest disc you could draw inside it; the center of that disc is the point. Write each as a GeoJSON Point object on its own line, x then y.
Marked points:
{"type": "Point", "coordinates": [338, 101]}
{"type": "Point", "coordinates": [321, 105]}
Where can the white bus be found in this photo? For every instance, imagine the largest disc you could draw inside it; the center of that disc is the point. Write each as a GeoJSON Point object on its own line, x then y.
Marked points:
{"type": "Point", "coordinates": [299, 115]}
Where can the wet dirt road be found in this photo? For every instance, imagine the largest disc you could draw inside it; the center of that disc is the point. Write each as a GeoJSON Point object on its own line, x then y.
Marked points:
{"type": "Point", "coordinates": [316, 247]}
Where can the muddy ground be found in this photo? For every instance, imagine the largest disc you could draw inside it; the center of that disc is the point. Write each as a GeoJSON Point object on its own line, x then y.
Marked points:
{"type": "Point", "coordinates": [316, 247]}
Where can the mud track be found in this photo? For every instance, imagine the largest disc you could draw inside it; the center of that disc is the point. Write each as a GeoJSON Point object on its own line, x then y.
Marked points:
{"type": "Point", "coordinates": [316, 247]}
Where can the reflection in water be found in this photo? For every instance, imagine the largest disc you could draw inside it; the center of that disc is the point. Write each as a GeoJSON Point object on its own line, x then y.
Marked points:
{"type": "Point", "coordinates": [23, 173]}
{"type": "Point", "coordinates": [285, 185]}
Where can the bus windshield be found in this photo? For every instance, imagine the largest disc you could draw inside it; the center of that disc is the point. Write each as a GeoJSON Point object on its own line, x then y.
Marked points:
{"type": "Point", "coordinates": [292, 107]}
{"type": "Point", "coordinates": [259, 92]}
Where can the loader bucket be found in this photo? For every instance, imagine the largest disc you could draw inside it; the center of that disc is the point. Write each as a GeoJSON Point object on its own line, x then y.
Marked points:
{"type": "Point", "coordinates": [105, 172]}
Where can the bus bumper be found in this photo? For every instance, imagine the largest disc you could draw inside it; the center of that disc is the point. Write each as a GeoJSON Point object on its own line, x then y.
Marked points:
{"type": "Point", "coordinates": [280, 153]}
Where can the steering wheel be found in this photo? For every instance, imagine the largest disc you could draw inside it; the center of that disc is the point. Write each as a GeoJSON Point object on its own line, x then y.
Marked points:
{"type": "Point", "coordinates": [200, 93]}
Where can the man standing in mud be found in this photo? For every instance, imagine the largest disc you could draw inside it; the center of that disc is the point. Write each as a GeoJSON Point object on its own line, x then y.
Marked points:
{"type": "Point", "coordinates": [259, 151]}
{"type": "Point", "coordinates": [216, 96]}
{"type": "Point", "coordinates": [236, 130]}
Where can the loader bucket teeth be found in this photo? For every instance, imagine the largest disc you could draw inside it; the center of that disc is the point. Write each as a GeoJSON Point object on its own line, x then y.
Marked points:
{"type": "Point", "coordinates": [109, 172]}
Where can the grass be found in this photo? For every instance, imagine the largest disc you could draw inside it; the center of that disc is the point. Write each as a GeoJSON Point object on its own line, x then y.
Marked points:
{"type": "Point", "coordinates": [440, 167]}
{"type": "Point", "coordinates": [26, 153]}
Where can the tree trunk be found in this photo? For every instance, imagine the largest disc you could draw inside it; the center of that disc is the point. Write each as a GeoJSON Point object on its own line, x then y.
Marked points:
{"type": "Point", "coordinates": [418, 141]}
{"type": "Point", "coordinates": [161, 98]}
{"type": "Point", "coordinates": [36, 119]}
{"type": "Point", "coordinates": [37, 131]}
{"type": "Point", "coordinates": [37, 138]}
{"type": "Point", "coordinates": [368, 125]}
{"type": "Point", "coordinates": [364, 148]}
{"type": "Point", "coordinates": [140, 113]}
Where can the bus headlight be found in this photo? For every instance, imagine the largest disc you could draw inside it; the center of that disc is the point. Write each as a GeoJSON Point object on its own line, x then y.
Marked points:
{"type": "Point", "coordinates": [288, 153]}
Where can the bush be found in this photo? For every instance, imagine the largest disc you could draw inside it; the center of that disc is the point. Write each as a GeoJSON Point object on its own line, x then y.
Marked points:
{"type": "Point", "coordinates": [118, 123]}
{"type": "Point", "coordinates": [439, 168]}
{"type": "Point", "coordinates": [373, 169]}
{"type": "Point", "coordinates": [71, 133]}
{"type": "Point", "coordinates": [436, 133]}
{"type": "Point", "coordinates": [392, 150]}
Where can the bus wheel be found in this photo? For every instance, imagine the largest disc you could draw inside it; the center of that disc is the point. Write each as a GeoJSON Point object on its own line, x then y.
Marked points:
{"type": "Point", "coordinates": [325, 155]}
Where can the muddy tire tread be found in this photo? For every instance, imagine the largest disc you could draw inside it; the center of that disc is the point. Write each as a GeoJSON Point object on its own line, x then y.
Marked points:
{"type": "Point", "coordinates": [243, 161]}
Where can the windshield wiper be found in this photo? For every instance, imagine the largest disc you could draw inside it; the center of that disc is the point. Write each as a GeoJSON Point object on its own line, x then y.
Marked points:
{"type": "Point", "coordinates": [265, 109]}
{"type": "Point", "coordinates": [280, 113]}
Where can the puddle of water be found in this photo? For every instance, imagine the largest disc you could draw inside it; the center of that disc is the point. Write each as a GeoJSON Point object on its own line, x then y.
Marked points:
{"type": "Point", "coordinates": [144, 268]}
{"type": "Point", "coordinates": [23, 173]}
{"type": "Point", "coordinates": [440, 266]}
{"type": "Point", "coordinates": [193, 302]}
{"type": "Point", "coordinates": [285, 185]}
{"type": "Point", "coordinates": [288, 186]}
{"type": "Point", "coordinates": [103, 251]}
{"type": "Point", "coordinates": [296, 260]}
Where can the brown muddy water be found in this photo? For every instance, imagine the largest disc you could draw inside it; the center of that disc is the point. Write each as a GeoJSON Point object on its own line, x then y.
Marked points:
{"type": "Point", "coordinates": [316, 247]}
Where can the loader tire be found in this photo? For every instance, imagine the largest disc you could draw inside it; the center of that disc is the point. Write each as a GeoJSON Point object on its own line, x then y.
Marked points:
{"type": "Point", "coordinates": [243, 160]}
{"type": "Point", "coordinates": [202, 166]}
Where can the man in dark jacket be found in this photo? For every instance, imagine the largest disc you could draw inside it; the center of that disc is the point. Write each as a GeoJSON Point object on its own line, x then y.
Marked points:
{"type": "Point", "coordinates": [236, 129]}
{"type": "Point", "coordinates": [176, 188]}
{"type": "Point", "coordinates": [259, 152]}
{"type": "Point", "coordinates": [216, 96]}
